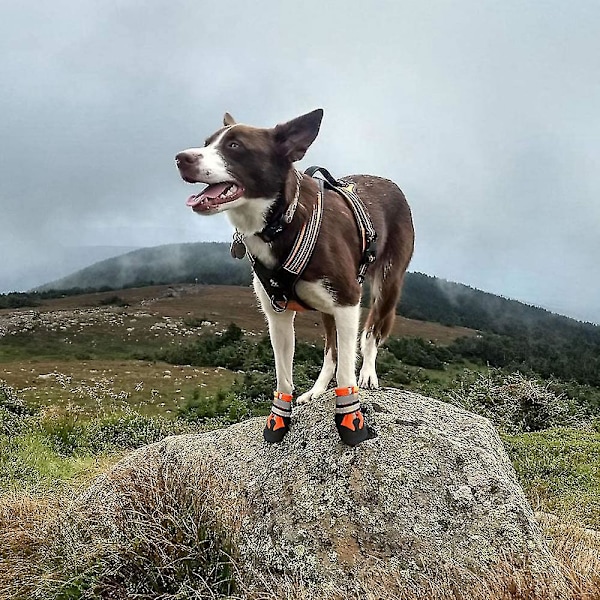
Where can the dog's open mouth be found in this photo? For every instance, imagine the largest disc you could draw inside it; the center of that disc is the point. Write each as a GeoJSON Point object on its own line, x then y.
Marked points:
{"type": "Point", "coordinates": [214, 195]}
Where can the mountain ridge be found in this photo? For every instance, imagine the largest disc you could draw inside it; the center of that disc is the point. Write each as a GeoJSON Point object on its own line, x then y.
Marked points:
{"type": "Point", "coordinates": [210, 263]}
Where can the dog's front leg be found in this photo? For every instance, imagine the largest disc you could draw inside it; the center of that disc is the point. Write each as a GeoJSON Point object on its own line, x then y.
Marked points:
{"type": "Point", "coordinates": [281, 332]}
{"type": "Point", "coordinates": [349, 418]}
{"type": "Point", "coordinates": [346, 324]}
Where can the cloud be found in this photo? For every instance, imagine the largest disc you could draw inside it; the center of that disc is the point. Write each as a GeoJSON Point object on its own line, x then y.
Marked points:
{"type": "Point", "coordinates": [484, 113]}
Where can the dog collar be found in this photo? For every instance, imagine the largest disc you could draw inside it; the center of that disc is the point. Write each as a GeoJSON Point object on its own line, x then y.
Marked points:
{"type": "Point", "coordinates": [280, 216]}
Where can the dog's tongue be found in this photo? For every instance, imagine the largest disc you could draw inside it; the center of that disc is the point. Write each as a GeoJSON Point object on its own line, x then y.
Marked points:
{"type": "Point", "coordinates": [212, 191]}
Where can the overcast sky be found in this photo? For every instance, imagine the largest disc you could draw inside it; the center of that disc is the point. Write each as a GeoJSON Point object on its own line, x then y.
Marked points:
{"type": "Point", "coordinates": [486, 113]}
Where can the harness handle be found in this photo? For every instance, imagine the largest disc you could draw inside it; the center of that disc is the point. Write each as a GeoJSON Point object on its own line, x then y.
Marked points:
{"type": "Point", "coordinates": [331, 180]}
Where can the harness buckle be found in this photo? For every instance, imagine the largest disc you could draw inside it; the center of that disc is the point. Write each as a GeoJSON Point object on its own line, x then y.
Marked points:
{"type": "Point", "coordinates": [368, 258]}
{"type": "Point", "coordinates": [276, 307]}
{"type": "Point", "coordinates": [370, 253]}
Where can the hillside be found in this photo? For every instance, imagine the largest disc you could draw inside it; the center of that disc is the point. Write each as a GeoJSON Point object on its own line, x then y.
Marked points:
{"type": "Point", "coordinates": [204, 262]}
{"type": "Point", "coordinates": [517, 336]}
{"type": "Point", "coordinates": [426, 298]}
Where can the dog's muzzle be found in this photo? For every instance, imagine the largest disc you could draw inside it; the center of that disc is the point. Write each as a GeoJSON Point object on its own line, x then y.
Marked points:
{"type": "Point", "coordinates": [187, 163]}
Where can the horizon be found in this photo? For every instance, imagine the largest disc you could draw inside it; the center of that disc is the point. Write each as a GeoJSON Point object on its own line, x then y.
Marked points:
{"type": "Point", "coordinates": [440, 281]}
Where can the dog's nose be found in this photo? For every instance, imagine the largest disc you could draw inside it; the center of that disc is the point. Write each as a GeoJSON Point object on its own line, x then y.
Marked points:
{"type": "Point", "coordinates": [187, 158]}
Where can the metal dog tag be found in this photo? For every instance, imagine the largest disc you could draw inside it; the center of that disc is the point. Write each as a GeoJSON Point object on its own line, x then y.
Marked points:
{"type": "Point", "coordinates": [238, 248]}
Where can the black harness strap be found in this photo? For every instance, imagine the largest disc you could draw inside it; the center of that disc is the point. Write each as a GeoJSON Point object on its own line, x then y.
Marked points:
{"type": "Point", "coordinates": [280, 283]}
{"type": "Point", "coordinates": [366, 230]}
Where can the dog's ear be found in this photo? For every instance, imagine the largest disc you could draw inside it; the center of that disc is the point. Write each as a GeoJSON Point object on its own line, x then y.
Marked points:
{"type": "Point", "coordinates": [228, 120]}
{"type": "Point", "coordinates": [294, 137]}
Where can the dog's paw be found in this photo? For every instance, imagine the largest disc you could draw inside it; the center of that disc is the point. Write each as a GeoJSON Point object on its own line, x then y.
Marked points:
{"type": "Point", "coordinates": [308, 396]}
{"type": "Point", "coordinates": [368, 379]}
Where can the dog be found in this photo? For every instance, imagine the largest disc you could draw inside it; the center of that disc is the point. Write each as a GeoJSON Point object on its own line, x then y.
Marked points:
{"type": "Point", "coordinates": [250, 175]}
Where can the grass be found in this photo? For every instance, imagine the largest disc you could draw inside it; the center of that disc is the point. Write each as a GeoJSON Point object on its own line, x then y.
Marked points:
{"type": "Point", "coordinates": [175, 545]}
{"type": "Point", "coordinates": [169, 551]}
{"type": "Point", "coordinates": [94, 387]}
{"type": "Point", "coordinates": [559, 469]}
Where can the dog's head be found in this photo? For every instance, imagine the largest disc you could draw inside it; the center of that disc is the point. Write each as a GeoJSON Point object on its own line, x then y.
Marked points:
{"type": "Point", "coordinates": [241, 163]}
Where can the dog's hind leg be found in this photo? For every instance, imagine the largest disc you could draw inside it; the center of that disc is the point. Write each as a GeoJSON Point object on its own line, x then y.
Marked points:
{"type": "Point", "coordinates": [386, 286]}
{"type": "Point", "coordinates": [329, 362]}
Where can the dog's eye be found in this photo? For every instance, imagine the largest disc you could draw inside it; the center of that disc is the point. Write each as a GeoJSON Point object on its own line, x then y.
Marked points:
{"type": "Point", "coordinates": [233, 145]}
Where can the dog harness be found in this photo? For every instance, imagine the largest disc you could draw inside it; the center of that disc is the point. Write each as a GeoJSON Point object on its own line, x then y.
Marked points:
{"type": "Point", "coordinates": [280, 283]}
{"type": "Point", "coordinates": [367, 232]}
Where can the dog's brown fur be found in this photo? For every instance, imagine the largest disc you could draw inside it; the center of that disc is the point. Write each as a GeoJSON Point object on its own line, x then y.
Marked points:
{"type": "Point", "coordinates": [339, 244]}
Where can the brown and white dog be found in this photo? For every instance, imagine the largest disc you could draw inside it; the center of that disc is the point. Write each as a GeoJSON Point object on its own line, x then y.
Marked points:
{"type": "Point", "coordinates": [250, 176]}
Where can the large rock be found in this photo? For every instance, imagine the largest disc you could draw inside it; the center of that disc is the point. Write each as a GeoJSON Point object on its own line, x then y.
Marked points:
{"type": "Point", "coordinates": [433, 497]}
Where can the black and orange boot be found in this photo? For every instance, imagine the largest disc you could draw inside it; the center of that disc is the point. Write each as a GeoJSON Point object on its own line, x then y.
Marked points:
{"type": "Point", "coordinates": [349, 418]}
{"type": "Point", "coordinates": [278, 422]}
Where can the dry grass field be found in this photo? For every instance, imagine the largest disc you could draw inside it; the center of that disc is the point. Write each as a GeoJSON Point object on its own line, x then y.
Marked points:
{"type": "Point", "coordinates": [221, 302]}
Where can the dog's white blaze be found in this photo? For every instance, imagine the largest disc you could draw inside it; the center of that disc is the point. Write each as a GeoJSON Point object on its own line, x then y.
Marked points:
{"type": "Point", "coordinates": [325, 376]}
{"type": "Point", "coordinates": [211, 166]}
{"type": "Point", "coordinates": [281, 332]}
{"type": "Point", "coordinates": [368, 373]}
{"type": "Point", "coordinates": [346, 324]}
{"type": "Point", "coordinates": [213, 161]}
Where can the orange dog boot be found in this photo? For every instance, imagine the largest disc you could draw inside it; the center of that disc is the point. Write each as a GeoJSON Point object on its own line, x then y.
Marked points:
{"type": "Point", "coordinates": [349, 418]}
{"type": "Point", "coordinates": [278, 422]}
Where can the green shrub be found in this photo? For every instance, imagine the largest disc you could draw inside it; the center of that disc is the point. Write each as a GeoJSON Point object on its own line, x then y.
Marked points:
{"type": "Point", "coordinates": [514, 402]}
{"type": "Point", "coordinates": [13, 411]}
{"type": "Point", "coordinates": [63, 432]}
{"type": "Point", "coordinates": [419, 352]}
{"type": "Point", "coordinates": [128, 430]}
{"type": "Point", "coordinates": [12, 402]}
{"type": "Point", "coordinates": [113, 301]}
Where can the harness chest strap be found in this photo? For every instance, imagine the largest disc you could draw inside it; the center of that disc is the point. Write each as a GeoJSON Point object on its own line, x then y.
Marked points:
{"type": "Point", "coordinates": [280, 283]}
{"type": "Point", "coordinates": [275, 223]}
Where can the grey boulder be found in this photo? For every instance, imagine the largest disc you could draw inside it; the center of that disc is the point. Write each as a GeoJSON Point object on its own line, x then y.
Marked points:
{"type": "Point", "coordinates": [432, 500]}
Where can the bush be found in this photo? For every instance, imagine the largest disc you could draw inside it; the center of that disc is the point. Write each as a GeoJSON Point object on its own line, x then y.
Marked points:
{"type": "Point", "coordinates": [419, 352]}
{"type": "Point", "coordinates": [113, 301]}
{"type": "Point", "coordinates": [13, 411]}
{"type": "Point", "coordinates": [128, 431]}
{"type": "Point", "coordinates": [63, 432]}
{"type": "Point", "coordinates": [11, 402]}
{"type": "Point", "coordinates": [514, 402]}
